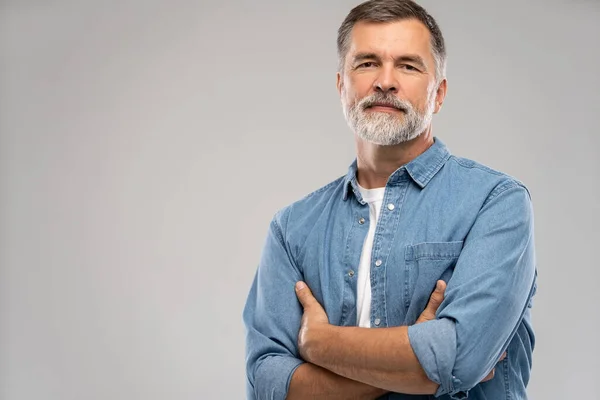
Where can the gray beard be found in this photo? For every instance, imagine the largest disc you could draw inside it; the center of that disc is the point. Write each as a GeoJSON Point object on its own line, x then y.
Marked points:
{"type": "Point", "coordinates": [384, 128]}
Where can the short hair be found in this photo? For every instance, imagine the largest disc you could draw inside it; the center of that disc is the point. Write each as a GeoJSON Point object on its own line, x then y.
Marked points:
{"type": "Point", "coordinates": [390, 11]}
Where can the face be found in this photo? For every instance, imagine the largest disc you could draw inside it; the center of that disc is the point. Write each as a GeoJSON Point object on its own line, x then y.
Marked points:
{"type": "Point", "coordinates": [388, 86]}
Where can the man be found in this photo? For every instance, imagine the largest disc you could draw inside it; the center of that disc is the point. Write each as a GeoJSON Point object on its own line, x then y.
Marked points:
{"type": "Point", "coordinates": [333, 312]}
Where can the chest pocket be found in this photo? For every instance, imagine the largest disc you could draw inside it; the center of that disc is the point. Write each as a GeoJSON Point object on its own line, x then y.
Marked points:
{"type": "Point", "coordinates": [426, 263]}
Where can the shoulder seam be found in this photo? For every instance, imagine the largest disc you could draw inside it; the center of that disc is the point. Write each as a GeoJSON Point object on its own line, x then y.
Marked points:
{"type": "Point", "coordinates": [284, 213]}
{"type": "Point", "coordinates": [498, 190]}
{"type": "Point", "coordinates": [278, 230]}
{"type": "Point", "coordinates": [476, 165]}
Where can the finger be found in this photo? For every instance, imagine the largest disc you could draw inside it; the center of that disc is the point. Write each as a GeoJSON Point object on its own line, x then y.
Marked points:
{"type": "Point", "coordinates": [490, 376]}
{"type": "Point", "coordinates": [502, 357]}
{"type": "Point", "coordinates": [304, 294]}
{"type": "Point", "coordinates": [436, 298]}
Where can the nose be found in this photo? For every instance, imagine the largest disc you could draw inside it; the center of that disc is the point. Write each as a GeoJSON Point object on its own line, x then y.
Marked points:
{"type": "Point", "coordinates": [386, 81]}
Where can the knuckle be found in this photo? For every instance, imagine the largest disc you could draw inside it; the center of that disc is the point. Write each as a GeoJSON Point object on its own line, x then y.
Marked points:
{"type": "Point", "coordinates": [434, 303]}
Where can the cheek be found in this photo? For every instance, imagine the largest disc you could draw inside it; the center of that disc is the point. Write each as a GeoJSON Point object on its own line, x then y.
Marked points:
{"type": "Point", "coordinates": [363, 88]}
{"type": "Point", "coordinates": [424, 94]}
{"type": "Point", "coordinates": [418, 97]}
{"type": "Point", "coordinates": [348, 96]}
{"type": "Point", "coordinates": [358, 87]}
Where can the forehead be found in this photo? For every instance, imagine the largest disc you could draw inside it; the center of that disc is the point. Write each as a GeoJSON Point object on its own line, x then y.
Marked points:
{"type": "Point", "coordinates": [391, 39]}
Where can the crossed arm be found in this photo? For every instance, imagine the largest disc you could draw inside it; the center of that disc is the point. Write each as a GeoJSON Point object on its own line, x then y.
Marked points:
{"type": "Point", "coordinates": [297, 342]}
{"type": "Point", "coordinates": [333, 354]}
{"type": "Point", "coordinates": [339, 359]}
{"type": "Point", "coordinates": [350, 362]}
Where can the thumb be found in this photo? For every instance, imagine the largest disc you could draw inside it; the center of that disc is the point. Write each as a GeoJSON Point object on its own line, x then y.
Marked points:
{"type": "Point", "coordinates": [436, 298]}
{"type": "Point", "coordinates": [304, 294]}
{"type": "Point", "coordinates": [503, 356]}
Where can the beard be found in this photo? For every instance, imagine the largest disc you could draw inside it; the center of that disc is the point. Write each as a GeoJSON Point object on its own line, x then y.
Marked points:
{"type": "Point", "coordinates": [384, 128]}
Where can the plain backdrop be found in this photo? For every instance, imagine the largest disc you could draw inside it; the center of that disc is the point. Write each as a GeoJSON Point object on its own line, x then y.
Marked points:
{"type": "Point", "coordinates": [145, 146]}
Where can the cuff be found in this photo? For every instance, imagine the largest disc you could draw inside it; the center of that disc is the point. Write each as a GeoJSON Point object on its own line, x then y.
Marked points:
{"type": "Point", "coordinates": [434, 344]}
{"type": "Point", "coordinates": [273, 376]}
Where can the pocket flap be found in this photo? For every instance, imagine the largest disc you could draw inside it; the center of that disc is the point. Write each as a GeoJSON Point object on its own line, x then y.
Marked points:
{"type": "Point", "coordinates": [433, 250]}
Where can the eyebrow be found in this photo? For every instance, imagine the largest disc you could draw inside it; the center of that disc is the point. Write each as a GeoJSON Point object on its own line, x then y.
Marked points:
{"type": "Point", "coordinates": [411, 58]}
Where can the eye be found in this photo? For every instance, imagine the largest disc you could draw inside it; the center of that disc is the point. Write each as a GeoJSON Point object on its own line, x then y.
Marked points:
{"type": "Point", "coordinates": [408, 67]}
{"type": "Point", "coordinates": [367, 64]}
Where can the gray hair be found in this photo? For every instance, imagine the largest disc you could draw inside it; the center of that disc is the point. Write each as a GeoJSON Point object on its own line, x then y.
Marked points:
{"type": "Point", "coordinates": [390, 11]}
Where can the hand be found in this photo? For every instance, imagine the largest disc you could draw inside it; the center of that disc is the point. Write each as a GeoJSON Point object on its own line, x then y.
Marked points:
{"type": "Point", "coordinates": [490, 376]}
{"type": "Point", "coordinates": [314, 319]}
{"type": "Point", "coordinates": [435, 300]}
{"type": "Point", "coordinates": [428, 314]}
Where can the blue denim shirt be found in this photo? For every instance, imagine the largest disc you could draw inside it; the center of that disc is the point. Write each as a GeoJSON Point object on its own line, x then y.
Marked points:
{"type": "Point", "coordinates": [453, 219]}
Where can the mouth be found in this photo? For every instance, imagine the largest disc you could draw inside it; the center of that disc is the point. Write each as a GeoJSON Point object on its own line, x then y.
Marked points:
{"type": "Point", "coordinates": [384, 107]}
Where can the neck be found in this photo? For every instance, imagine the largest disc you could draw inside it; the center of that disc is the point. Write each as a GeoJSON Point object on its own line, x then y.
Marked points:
{"type": "Point", "coordinates": [376, 163]}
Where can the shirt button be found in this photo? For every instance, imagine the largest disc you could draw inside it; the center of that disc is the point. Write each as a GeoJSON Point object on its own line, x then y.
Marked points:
{"type": "Point", "coordinates": [361, 221]}
{"type": "Point", "coordinates": [378, 263]}
{"type": "Point", "coordinates": [391, 206]}
{"type": "Point", "coordinates": [351, 273]}
{"type": "Point", "coordinates": [377, 321]}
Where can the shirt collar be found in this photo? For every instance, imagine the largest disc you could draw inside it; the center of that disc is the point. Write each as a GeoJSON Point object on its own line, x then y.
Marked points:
{"type": "Point", "coordinates": [421, 169]}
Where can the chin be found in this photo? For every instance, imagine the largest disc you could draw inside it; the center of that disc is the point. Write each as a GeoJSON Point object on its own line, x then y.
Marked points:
{"type": "Point", "coordinates": [385, 140]}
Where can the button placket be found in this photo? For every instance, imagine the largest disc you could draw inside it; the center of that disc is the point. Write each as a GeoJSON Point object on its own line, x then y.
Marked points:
{"type": "Point", "coordinates": [383, 241]}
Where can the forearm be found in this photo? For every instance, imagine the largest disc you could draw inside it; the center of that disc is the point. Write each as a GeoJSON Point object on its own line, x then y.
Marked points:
{"type": "Point", "coordinates": [380, 357]}
{"type": "Point", "coordinates": [310, 381]}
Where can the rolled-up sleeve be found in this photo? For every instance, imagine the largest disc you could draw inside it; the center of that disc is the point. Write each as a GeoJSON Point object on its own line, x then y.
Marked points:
{"type": "Point", "coordinates": [272, 318]}
{"type": "Point", "coordinates": [486, 297]}
{"type": "Point", "coordinates": [434, 343]}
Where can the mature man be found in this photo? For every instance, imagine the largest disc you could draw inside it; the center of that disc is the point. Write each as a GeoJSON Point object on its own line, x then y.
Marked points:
{"type": "Point", "coordinates": [347, 270]}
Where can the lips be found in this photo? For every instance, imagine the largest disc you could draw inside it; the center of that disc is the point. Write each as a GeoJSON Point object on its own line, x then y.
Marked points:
{"type": "Point", "coordinates": [386, 105]}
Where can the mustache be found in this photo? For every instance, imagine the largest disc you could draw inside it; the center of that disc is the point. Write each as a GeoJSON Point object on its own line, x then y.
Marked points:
{"type": "Point", "coordinates": [387, 100]}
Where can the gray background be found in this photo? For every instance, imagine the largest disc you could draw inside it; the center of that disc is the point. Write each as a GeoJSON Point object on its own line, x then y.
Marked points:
{"type": "Point", "coordinates": [146, 145]}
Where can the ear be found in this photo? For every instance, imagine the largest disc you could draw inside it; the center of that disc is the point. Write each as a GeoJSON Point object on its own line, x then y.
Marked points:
{"type": "Point", "coordinates": [440, 95]}
{"type": "Point", "coordinates": [338, 83]}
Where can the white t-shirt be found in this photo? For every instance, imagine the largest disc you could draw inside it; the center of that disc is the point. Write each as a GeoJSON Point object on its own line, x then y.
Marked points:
{"type": "Point", "coordinates": [374, 197]}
